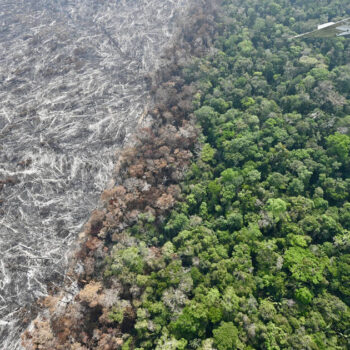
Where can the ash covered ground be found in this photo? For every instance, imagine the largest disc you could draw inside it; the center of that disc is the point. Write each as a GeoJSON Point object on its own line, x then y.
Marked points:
{"type": "Point", "coordinates": [72, 90]}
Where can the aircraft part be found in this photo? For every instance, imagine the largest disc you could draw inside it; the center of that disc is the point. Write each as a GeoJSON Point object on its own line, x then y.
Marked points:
{"type": "Point", "coordinates": [329, 30]}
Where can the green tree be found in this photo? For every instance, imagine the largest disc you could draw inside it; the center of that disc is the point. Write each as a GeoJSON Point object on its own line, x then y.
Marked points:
{"type": "Point", "coordinates": [277, 208]}
{"type": "Point", "coordinates": [304, 265]}
{"type": "Point", "coordinates": [339, 145]}
{"type": "Point", "coordinates": [304, 295]}
{"type": "Point", "coordinates": [225, 337]}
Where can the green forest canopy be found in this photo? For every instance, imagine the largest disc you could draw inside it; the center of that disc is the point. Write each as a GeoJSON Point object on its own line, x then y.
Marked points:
{"type": "Point", "coordinates": [257, 255]}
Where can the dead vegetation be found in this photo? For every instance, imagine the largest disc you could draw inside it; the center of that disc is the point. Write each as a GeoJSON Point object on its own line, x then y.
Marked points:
{"type": "Point", "coordinates": [146, 178]}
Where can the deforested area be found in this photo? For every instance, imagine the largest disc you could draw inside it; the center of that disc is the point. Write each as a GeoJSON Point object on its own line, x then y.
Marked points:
{"type": "Point", "coordinates": [73, 86]}
{"type": "Point", "coordinates": [226, 223]}
{"type": "Point", "coordinates": [145, 185]}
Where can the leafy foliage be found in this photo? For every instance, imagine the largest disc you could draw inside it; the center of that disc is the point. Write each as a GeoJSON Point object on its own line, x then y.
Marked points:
{"type": "Point", "coordinates": [256, 255]}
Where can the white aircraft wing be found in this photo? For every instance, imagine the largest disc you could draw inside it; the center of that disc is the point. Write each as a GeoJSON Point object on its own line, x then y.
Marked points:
{"type": "Point", "coordinates": [329, 30]}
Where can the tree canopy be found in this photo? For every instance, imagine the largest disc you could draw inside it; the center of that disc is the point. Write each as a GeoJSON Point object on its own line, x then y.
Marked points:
{"type": "Point", "coordinates": [260, 239]}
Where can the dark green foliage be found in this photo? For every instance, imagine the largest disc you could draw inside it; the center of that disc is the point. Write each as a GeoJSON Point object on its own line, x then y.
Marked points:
{"type": "Point", "coordinates": [226, 336]}
{"type": "Point", "coordinates": [258, 253]}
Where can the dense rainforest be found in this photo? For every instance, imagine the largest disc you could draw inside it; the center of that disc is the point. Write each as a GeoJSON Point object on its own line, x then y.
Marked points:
{"type": "Point", "coordinates": [257, 255]}
{"type": "Point", "coordinates": [255, 252]}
